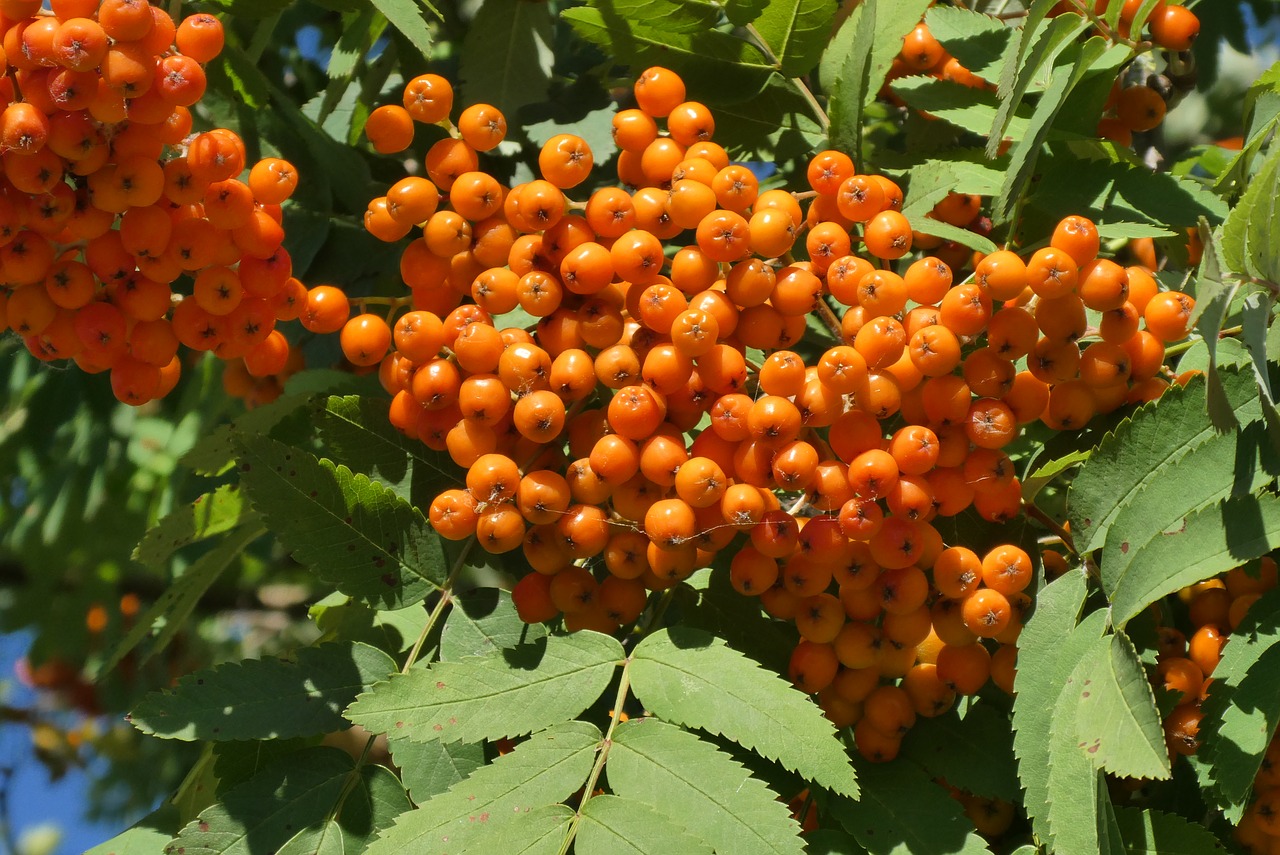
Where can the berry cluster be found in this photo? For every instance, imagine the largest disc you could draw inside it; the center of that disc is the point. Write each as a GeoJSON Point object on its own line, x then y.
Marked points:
{"type": "Point", "coordinates": [657, 414]}
{"type": "Point", "coordinates": [124, 235]}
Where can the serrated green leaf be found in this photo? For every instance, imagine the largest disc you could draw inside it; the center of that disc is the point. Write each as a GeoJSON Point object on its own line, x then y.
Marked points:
{"type": "Point", "coordinates": [483, 621]}
{"type": "Point", "coordinates": [741, 622]}
{"type": "Point", "coordinates": [595, 126]}
{"type": "Point", "coordinates": [148, 836]}
{"type": "Point", "coordinates": [430, 768]}
{"type": "Point", "coordinates": [546, 768]}
{"type": "Point", "coordinates": [352, 532]}
{"type": "Point", "coordinates": [264, 812]}
{"type": "Point", "coordinates": [859, 62]}
{"type": "Point", "coordinates": [1069, 69]}
{"type": "Point", "coordinates": [902, 811]}
{"type": "Point", "coordinates": [689, 677]}
{"type": "Point", "coordinates": [1048, 649]}
{"type": "Point", "coordinates": [507, 55]}
{"type": "Point", "coordinates": [234, 763]}
{"type": "Point", "coordinates": [1211, 541]}
{"type": "Point", "coordinates": [796, 31]}
{"type": "Point", "coordinates": [506, 693]}
{"type": "Point", "coordinates": [1133, 455]}
{"type": "Point", "coordinates": [540, 831]}
{"type": "Point", "coordinates": [324, 839]}
{"type": "Point", "coordinates": [214, 453]}
{"type": "Point", "coordinates": [168, 614]}
{"type": "Point", "coordinates": [1154, 832]}
{"type": "Point", "coordinates": [699, 787]}
{"type": "Point", "coordinates": [360, 435]}
{"type": "Point", "coordinates": [264, 698]}
{"type": "Point", "coordinates": [831, 841]}
{"type": "Point", "coordinates": [1214, 297]}
{"type": "Point", "coordinates": [1031, 49]}
{"type": "Point", "coordinates": [1074, 810]}
{"type": "Point", "coordinates": [1044, 474]}
{"type": "Point", "coordinates": [1241, 713]}
{"type": "Point", "coordinates": [979, 41]}
{"type": "Point", "coordinates": [778, 123]}
{"type": "Point", "coordinates": [970, 109]}
{"type": "Point", "coordinates": [612, 825]}
{"type": "Point", "coordinates": [1249, 231]}
{"type": "Point", "coordinates": [974, 753]}
{"type": "Point", "coordinates": [406, 16]}
{"type": "Point", "coordinates": [964, 237]}
{"type": "Point", "coordinates": [674, 16]}
{"type": "Point", "coordinates": [1130, 231]}
{"type": "Point", "coordinates": [212, 514]}
{"type": "Point", "coordinates": [711, 62]}
{"type": "Point", "coordinates": [1230, 464]}
{"type": "Point", "coordinates": [1116, 719]}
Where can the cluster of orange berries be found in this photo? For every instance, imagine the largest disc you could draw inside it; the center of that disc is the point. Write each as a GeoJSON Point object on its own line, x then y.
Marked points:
{"type": "Point", "coordinates": [123, 235]}
{"type": "Point", "coordinates": [631, 435]}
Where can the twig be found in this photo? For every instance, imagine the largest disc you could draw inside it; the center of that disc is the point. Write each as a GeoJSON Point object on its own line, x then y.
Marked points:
{"type": "Point", "coordinates": [818, 113]}
{"type": "Point", "coordinates": [1050, 523]}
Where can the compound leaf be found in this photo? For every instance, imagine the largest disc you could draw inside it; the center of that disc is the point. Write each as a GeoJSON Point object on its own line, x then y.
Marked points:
{"type": "Point", "coordinates": [699, 787]}
{"type": "Point", "coordinates": [264, 698]}
{"type": "Point", "coordinates": [1249, 232]}
{"type": "Point", "coordinates": [406, 16]}
{"type": "Point", "coordinates": [544, 769]}
{"type": "Point", "coordinates": [540, 831]}
{"type": "Point", "coordinates": [505, 693]}
{"type": "Point", "coordinates": [613, 825]}
{"type": "Point", "coordinates": [689, 677]}
{"type": "Point", "coordinates": [354, 533]}
{"type": "Point", "coordinates": [359, 433]}
{"type": "Point", "coordinates": [1116, 719]}
{"type": "Point", "coordinates": [1074, 811]}
{"type": "Point", "coordinates": [974, 753]}
{"type": "Point", "coordinates": [979, 41]}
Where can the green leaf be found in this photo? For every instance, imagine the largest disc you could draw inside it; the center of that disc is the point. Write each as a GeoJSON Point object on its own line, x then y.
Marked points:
{"type": "Point", "coordinates": [506, 693]}
{"type": "Point", "coordinates": [361, 437]}
{"type": "Point", "coordinates": [430, 768]}
{"type": "Point", "coordinates": [689, 677]}
{"type": "Point", "coordinates": [620, 826]}
{"type": "Point", "coordinates": [212, 514]}
{"type": "Point", "coordinates": [1248, 233]}
{"type": "Point", "coordinates": [170, 612]}
{"type": "Point", "coordinates": [777, 124]}
{"type": "Point", "coordinates": [507, 55]}
{"type": "Point", "coordinates": [1154, 832]}
{"type": "Point", "coordinates": [1214, 296]}
{"type": "Point", "coordinates": [264, 698]}
{"type": "Point", "coordinates": [699, 787]}
{"type": "Point", "coordinates": [1241, 712]}
{"type": "Point", "coordinates": [974, 753]}
{"type": "Point", "coordinates": [1034, 47]}
{"type": "Point", "coordinates": [1210, 541]}
{"type": "Point", "coordinates": [857, 61]}
{"type": "Point", "coordinates": [1231, 464]}
{"type": "Point", "coordinates": [406, 16]}
{"type": "Point", "coordinates": [543, 769]}
{"type": "Point", "coordinates": [979, 41]}
{"type": "Point", "coordinates": [964, 237]}
{"type": "Point", "coordinates": [325, 839]}
{"type": "Point", "coordinates": [1117, 721]}
{"type": "Point", "coordinates": [1135, 453]}
{"type": "Point", "coordinates": [148, 836]}
{"type": "Point", "coordinates": [541, 831]}
{"type": "Point", "coordinates": [483, 621]}
{"type": "Point", "coordinates": [970, 109]}
{"type": "Point", "coordinates": [353, 533]}
{"type": "Point", "coordinates": [831, 841]}
{"type": "Point", "coordinates": [711, 62]}
{"type": "Point", "coordinates": [1042, 475]}
{"type": "Point", "coordinates": [214, 453]}
{"type": "Point", "coordinates": [1075, 810]}
{"type": "Point", "coordinates": [796, 32]}
{"type": "Point", "coordinates": [903, 811]}
{"type": "Point", "coordinates": [264, 812]}
{"type": "Point", "coordinates": [1048, 649]}
{"type": "Point", "coordinates": [740, 621]}
{"type": "Point", "coordinates": [1069, 69]}
{"type": "Point", "coordinates": [675, 16]}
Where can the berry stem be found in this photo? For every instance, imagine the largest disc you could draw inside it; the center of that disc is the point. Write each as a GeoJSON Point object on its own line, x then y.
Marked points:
{"type": "Point", "coordinates": [829, 318]}
{"type": "Point", "coordinates": [1050, 523]}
